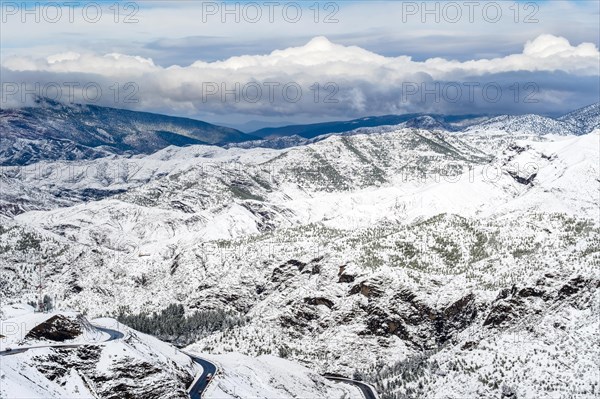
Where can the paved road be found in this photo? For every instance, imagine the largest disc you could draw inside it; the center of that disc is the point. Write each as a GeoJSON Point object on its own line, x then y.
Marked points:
{"type": "Point", "coordinates": [195, 391]}
{"type": "Point", "coordinates": [367, 390]}
{"type": "Point", "coordinates": [113, 334]}
{"type": "Point", "coordinates": [200, 383]}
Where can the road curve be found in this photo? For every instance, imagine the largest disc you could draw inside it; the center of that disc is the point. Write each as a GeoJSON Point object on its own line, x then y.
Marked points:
{"type": "Point", "coordinates": [195, 391]}
{"type": "Point", "coordinates": [113, 335]}
{"type": "Point", "coordinates": [367, 390]}
{"type": "Point", "coordinates": [200, 383]}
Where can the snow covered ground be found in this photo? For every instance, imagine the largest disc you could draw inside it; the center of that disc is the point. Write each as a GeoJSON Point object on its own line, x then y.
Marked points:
{"type": "Point", "coordinates": [412, 257]}
{"type": "Point", "coordinates": [89, 365]}
{"type": "Point", "coordinates": [20, 319]}
{"type": "Point", "coordinates": [269, 376]}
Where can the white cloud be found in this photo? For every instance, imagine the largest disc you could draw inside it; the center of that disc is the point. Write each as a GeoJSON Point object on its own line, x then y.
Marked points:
{"type": "Point", "coordinates": [365, 81]}
{"type": "Point", "coordinates": [544, 53]}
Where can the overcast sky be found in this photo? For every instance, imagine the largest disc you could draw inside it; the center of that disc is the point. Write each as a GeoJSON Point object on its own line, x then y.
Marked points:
{"type": "Point", "coordinates": [233, 62]}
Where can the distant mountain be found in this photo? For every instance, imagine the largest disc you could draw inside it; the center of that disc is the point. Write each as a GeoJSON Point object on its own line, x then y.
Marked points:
{"type": "Point", "coordinates": [525, 124]}
{"type": "Point", "coordinates": [317, 129]}
{"type": "Point", "coordinates": [250, 126]}
{"type": "Point", "coordinates": [56, 131]}
{"type": "Point", "coordinates": [52, 131]}
{"type": "Point", "coordinates": [585, 119]}
{"type": "Point", "coordinates": [581, 121]}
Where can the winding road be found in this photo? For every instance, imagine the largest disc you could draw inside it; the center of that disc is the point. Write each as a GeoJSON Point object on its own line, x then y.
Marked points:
{"type": "Point", "coordinates": [113, 334]}
{"type": "Point", "coordinates": [367, 390]}
{"type": "Point", "coordinates": [198, 386]}
{"type": "Point", "coordinates": [201, 383]}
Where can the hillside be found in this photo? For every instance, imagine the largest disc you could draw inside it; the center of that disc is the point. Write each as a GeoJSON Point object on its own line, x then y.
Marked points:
{"type": "Point", "coordinates": [395, 255]}
{"type": "Point", "coordinates": [57, 131]}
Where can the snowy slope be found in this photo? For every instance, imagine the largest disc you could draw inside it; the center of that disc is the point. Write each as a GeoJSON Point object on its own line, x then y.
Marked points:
{"type": "Point", "coordinates": [411, 249]}
{"type": "Point", "coordinates": [91, 365]}
{"type": "Point", "coordinates": [271, 377]}
{"type": "Point", "coordinates": [55, 131]}
{"type": "Point", "coordinates": [136, 365]}
{"type": "Point", "coordinates": [585, 119]}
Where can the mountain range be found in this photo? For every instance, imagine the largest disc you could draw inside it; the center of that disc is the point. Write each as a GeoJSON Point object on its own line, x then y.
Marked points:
{"type": "Point", "coordinates": [438, 257]}
{"type": "Point", "coordinates": [57, 131]}
{"type": "Point", "coordinates": [53, 130]}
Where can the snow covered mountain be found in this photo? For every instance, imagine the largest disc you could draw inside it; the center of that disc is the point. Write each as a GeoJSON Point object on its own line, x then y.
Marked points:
{"type": "Point", "coordinates": [432, 263]}
{"type": "Point", "coordinates": [53, 131]}
{"type": "Point", "coordinates": [63, 355]}
{"type": "Point", "coordinates": [524, 124]}
{"type": "Point", "coordinates": [67, 356]}
{"type": "Point", "coordinates": [585, 119]}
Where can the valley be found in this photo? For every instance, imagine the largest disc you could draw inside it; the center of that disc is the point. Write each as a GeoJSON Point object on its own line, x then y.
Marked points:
{"type": "Point", "coordinates": [428, 262]}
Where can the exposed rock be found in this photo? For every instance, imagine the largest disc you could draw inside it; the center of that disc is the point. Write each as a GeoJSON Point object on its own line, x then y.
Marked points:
{"type": "Point", "coordinates": [319, 301]}
{"type": "Point", "coordinates": [300, 265]}
{"type": "Point", "coordinates": [346, 278]}
{"type": "Point", "coordinates": [299, 316]}
{"type": "Point", "coordinates": [456, 318]}
{"type": "Point", "coordinates": [469, 345]}
{"type": "Point", "coordinates": [500, 313]}
{"type": "Point", "coordinates": [366, 288]}
{"type": "Point", "coordinates": [572, 287]}
{"type": "Point", "coordinates": [527, 181]}
{"type": "Point", "coordinates": [528, 291]}
{"type": "Point", "coordinates": [287, 270]}
{"type": "Point", "coordinates": [57, 328]}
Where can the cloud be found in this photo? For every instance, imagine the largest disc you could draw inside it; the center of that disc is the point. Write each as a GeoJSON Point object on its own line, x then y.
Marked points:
{"type": "Point", "coordinates": [325, 79]}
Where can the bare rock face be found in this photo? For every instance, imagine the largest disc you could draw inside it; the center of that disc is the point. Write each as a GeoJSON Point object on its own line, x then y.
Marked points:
{"type": "Point", "coordinates": [455, 318]}
{"type": "Point", "coordinates": [573, 287]}
{"type": "Point", "coordinates": [57, 328]}
{"type": "Point", "coordinates": [514, 304]}
{"type": "Point", "coordinates": [369, 289]}
{"type": "Point", "coordinates": [346, 278]}
{"type": "Point", "coordinates": [319, 301]}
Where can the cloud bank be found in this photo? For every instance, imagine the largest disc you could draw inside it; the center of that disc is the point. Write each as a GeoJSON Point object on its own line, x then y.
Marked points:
{"type": "Point", "coordinates": [321, 79]}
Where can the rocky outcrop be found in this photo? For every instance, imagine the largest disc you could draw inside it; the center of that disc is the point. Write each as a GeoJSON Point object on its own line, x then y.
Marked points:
{"type": "Point", "coordinates": [515, 304]}
{"type": "Point", "coordinates": [57, 328]}
{"type": "Point", "coordinates": [420, 325]}
{"type": "Point", "coordinates": [126, 377]}
{"type": "Point", "coordinates": [367, 288]}
{"type": "Point", "coordinates": [573, 287]}
{"type": "Point", "coordinates": [455, 318]}
{"type": "Point", "coordinates": [319, 301]}
{"type": "Point", "coordinates": [511, 305]}
{"type": "Point", "coordinates": [346, 278]}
